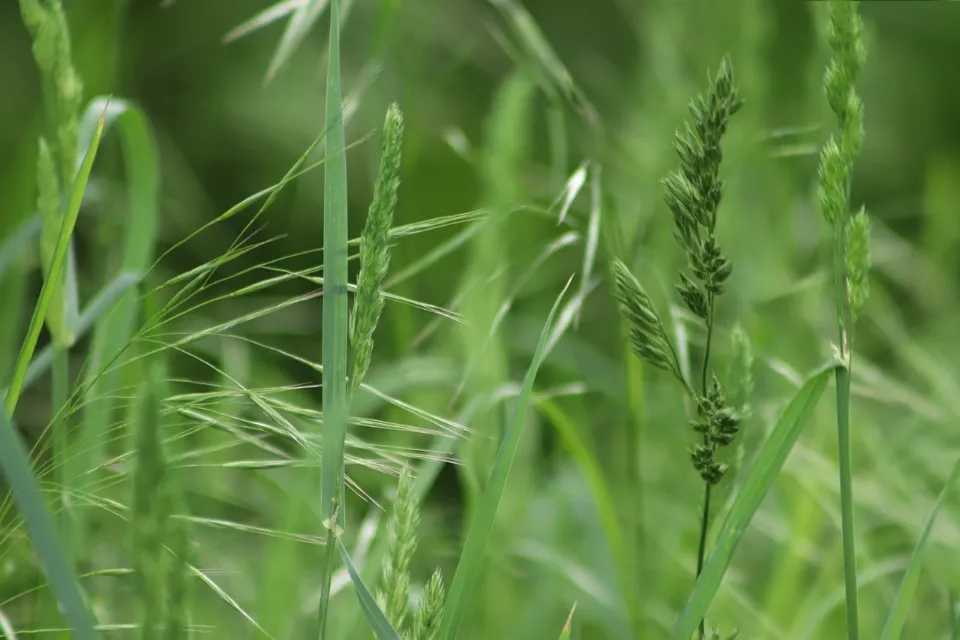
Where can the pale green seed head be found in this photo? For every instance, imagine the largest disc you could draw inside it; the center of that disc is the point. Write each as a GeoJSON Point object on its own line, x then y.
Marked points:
{"type": "Point", "coordinates": [394, 592]}
{"type": "Point", "coordinates": [375, 248]}
{"type": "Point", "coordinates": [858, 261]}
{"type": "Point", "coordinates": [426, 621]}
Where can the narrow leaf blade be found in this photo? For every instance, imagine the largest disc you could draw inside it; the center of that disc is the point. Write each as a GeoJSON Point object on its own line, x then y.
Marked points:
{"type": "Point", "coordinates": [46, 291]}
{"type": "Point", "coordinates": [375, 618]}
{"type": "Point", "coordinates": [761, 477]}
{"type": "Point", "coordinates": [468, 570]}
{"type": "Point", "coordinates": [893, 628]}
{"type": "Point", "coordinates": [15, 463]}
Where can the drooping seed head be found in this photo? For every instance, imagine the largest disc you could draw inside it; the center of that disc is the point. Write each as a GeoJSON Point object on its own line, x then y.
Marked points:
{"type": "Point", "coordinates": [858, 261]}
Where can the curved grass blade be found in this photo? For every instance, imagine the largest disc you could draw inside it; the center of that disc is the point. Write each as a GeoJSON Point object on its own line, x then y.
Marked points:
{"type": "Point", "coordinates": [471, 561]}
{"type": "Point", "coordinates": [68, 222]}
{"type": "Point", "coordinates": [16, 467]}
{"type": "Point", "coordinates": [893, 628]}
{"type": "Point", "coordinates": [115, 328]}
{"type": "Point", "coordinates": [765, 469]}
{"type": "Point", "coordinates": [375, 618]}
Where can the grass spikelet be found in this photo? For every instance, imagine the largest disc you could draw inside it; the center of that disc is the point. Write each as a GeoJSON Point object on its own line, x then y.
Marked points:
{"type": "Point", "coordinates": [394, 592]}
{"type": "Point", "coordinates": [648, 338]}
{"type": "Point", "coordinates": [426, 620]}
{"type": "Point", "coordinates": [375, 248]}
{"type": "Point", "coordinates": [850, 248]}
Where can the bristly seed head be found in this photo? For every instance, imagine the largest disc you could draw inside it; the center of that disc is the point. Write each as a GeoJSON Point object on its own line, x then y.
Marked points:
{"type": "Point", "coordinates": [394, 592]}
{"type": "Point", "coordinates": [375, 248]}
{"type": "Point", "coordinates": [694, 191]}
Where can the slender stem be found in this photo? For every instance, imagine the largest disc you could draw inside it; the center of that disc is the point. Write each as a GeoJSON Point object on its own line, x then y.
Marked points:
{"type": "Point", "coordinates": [705, 518]}
{"type": "Point", "coordinates": [842, 378]}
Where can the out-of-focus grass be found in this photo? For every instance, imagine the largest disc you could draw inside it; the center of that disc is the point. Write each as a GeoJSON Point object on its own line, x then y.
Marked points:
{"type": "Point", "coordinates": [244, 349]}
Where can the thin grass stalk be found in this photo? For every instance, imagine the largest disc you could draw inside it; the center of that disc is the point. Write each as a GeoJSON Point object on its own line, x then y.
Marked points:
{"type": "Point", "coordinates": [335, 328]}
{"type": "Point", "coordinates": [850, 252]}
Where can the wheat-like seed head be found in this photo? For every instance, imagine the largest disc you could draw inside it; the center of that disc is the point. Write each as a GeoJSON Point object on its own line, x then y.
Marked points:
{"type": "Point", "coordinates": [375, 248]}
{"type": "Point", "coordinates": [648, 339]}
{"type": "Point", "coordinates": [394, 592]}
{"type": "Point", "coordinates": [426, 621]}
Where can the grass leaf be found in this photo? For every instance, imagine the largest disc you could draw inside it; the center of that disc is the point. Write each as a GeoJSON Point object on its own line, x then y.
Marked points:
{"type": "Point", "coordinates": [16, 467]}
{"type": "Point", "coordinates": [471, 561]}
{"type": "Point", "coordinates": [63, 241]}
{"type": "Point", "coordinates": [299, 25]}
{"type": "Point", "coordinates": [378, 621]}
{"type": "Point", "coordinates": [334, 348]}
{"type": "Point", "coordinates": [765, 470]}
{"type": "Point", "coordinates": [568, 625]}
{"type": "Point", "coordinates": [901, 603]}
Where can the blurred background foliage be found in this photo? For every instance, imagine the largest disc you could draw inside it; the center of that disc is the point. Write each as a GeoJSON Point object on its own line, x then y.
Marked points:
{"type": "Point", "coordinates": [225, 133]}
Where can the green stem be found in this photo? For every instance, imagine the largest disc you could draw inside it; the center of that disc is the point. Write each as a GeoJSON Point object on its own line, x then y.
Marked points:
{"type": "Point", "coordinates": [842, 377]}
{"type": "Point", "coordinates": [705, 518]}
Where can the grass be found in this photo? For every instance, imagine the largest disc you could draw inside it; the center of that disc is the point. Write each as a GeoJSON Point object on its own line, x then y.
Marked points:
{"type": "Point", "coordinates": [258, 412]}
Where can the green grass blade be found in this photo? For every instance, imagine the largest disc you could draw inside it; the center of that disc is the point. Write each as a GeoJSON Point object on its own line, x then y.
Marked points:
{"type": "Point", "coordinates": [114, 330]}
{"type": "Point", "coordinates": [334, 348]}
{"type": "Point", "coordinates": [16, 467]}
{"type": "Point", "coordinates": [262, 19]}
{"type": "Point", "coordinates": [297, 29]}
{"type": "Point", "coordinates": [471, 561]}
{"type": "Point", "coordinates": [893, 628]}
{"type": "Point", "coordinates": [63, 241]}
{"type": "Point", "coordinates": [375, 618]}
{"type": "Point", "coordinates": [765, 469]}
{"type": "Point", "coordinates": [568, 625]}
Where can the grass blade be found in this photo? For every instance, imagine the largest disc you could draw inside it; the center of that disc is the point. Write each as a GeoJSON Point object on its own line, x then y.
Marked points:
{"type": "Point", "coordinates": [568, 625]}
{"type": "Point", "coordinates": [16, 467]}
{"type": "Point", "coordinates": [468, 570]}
{"type": "Point", "coordinates": [299, 25]}
{"type": "Point", "coordinates": [63, 241]}
{"type": "Point", "coordinates": [377, 620]}
{"type": "Point", "coordinates": [901, 603]}
{"type": "Point", "coordinates": [334, 348]}
{"type": "Point", "coordinates": [765, 469]}
{"type": "Point", "coordinates": [115, 329]}
{"type": "Point", "coordinates": [262, 19]}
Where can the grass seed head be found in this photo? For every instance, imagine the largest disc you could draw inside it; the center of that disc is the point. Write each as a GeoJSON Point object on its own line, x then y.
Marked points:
{"type": "Point", "coordinates": [648, 339]}
{"type": "Point", "coordinates": [375, 248]}
{"type": "Point", "coordinates": [858, 261]}
{"type": "Point", "coordinates": [394, 592]}
{"type": "Point", "coordinates": [426, 621]}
